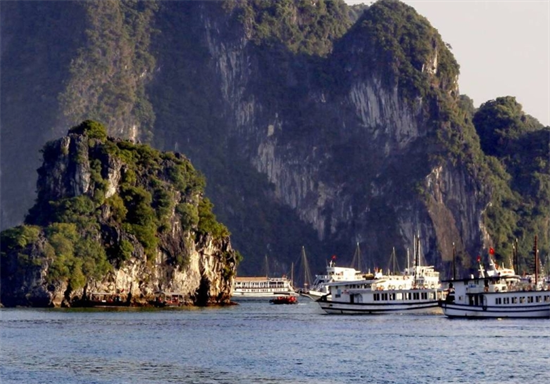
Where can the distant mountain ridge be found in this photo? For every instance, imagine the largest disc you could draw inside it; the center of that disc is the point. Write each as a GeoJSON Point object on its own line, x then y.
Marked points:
{"type": "Point", "coordinates": [311, 130]}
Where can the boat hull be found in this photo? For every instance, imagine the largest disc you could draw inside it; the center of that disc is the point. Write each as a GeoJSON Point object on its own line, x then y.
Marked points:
{"type": "Point", "coordinates": [334, 307]}
{"type": "Point", "coordinates": [454, 310]}
{"type": "Point", "coordinates": [313, 295]}
{"type": "Point", "coordinates": [260, 295]}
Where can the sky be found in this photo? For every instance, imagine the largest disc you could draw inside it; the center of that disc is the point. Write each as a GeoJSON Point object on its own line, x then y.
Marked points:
{"type": "Point", "coordinates": [502, 47]}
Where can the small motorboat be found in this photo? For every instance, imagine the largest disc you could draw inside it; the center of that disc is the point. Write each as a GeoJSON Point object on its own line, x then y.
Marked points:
{"type": "Point", "coordinates": [284, 300]}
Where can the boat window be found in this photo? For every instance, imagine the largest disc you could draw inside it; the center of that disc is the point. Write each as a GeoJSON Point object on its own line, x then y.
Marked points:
{"type": "Point", "coordinates": [416, 296]}
{"type": "Point", "coordinates": [498, 301]}
{"type": "Point", "coordinates": [424, 296]}
{"type": "Point", "coordinates": [392, 296]}
{"type": "Point", "coordinates": [539, 299]}
{"type": "Point", "coordinates": [522, 299]}
{"type": "Point", "coordinates": [546, 298]}
{"type": "Point", "coordinates": [384, 296]}
{"type": "Point", "coordinates": [376, 297]}
{"type": "Point", "coordinates": [514, 300]}
{"type": "Point", "coordinates": [506, 300]}
{"type": "Point", "coordinates": [530, 299]}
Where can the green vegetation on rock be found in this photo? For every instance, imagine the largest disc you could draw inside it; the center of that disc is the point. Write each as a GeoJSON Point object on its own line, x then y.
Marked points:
{"type": "Point", "coordinates": [83, 237]}
{"type": "Point", "coordinates": [304, 26]}
{"type": "Point", "coordinates": [518, 147]}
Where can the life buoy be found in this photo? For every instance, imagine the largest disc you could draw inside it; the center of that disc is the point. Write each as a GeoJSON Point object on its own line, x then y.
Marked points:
{"type": "Point", "coordinates": [391, 287]}
{"type": "Point", "coordinates": [400, 287]}
{"type": "Point", "coordinates": [432, 286]}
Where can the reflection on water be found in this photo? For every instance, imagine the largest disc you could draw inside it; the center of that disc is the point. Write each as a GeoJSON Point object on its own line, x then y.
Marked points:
{"type": "Point", "coordinates": [255, 342]}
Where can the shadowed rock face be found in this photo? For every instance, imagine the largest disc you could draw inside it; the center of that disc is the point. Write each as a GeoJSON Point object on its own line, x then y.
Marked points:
{"type": "Point", "coordinates": [339, 142]}
{"type": "Point", "coordinates": [79, 168]}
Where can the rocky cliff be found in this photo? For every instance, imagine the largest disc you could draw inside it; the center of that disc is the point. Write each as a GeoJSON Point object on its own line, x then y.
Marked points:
{"type": "Point", "coordinates": [313, 128]}
{"type": "Point", "coordinates": [116, 219]}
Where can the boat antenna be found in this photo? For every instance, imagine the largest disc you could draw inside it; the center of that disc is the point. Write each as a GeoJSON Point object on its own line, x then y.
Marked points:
{"type": "Point", "coordinates": [266, 267]}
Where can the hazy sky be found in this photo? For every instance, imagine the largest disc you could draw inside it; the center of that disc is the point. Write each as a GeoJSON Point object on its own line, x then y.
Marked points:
{"type": "Point", "coordinates": [502, 47]}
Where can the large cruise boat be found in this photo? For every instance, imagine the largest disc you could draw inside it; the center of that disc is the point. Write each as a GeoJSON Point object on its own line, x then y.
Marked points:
{"type": "Point", "coordinates": [498, 293]}
{"type": "Point", "coordinates": [417, 290]}
{"type": "Point", "coordinates": [262, 287]}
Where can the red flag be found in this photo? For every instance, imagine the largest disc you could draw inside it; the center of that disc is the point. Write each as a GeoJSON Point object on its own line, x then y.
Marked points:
{"type": "Point", "coordinates": [492, 251]}
{"type": "Point", "coordinates": [333, 257]}
{"type": "Point", "coordinates": [479, 259]}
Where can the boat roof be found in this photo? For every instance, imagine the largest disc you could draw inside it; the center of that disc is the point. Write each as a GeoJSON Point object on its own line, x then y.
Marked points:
{"type": "Point", "coordinates": [348, 282]}
{"type": "Point", "coordinates": [466, 279]}
{"type": "Point", "coordinates": [258, 278]}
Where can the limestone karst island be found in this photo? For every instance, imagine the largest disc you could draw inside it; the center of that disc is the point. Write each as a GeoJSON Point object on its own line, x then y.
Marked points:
{"type": "Point", "coordinates": [116, 223]}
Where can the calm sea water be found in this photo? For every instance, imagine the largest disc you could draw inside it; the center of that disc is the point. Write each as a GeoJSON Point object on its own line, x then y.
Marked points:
{"type": "Point", "coordinates": [256, 342]}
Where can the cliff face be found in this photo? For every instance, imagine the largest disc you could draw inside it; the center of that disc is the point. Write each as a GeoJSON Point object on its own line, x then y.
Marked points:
{"type": "Point", "coordinates": [312, 131]}
{"type": "Point", "coordinates": [352, 152]}
{"type": "Point", "coordinates": [118, 218]}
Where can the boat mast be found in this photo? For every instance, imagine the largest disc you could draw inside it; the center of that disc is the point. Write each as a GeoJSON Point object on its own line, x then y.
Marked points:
{"type": "Point", "coordinates": [416, 256]}
{"type": "Point", "coordinates": [307, 273]}
{"type": "Point", "coordinates": [357, 258]}
{"type": "Point", "coordinates": [454, 261]}
{"type": "Point", "coordinates": [266, 268]}
{"type": "Point", "coordinates": [516, 261]}
{"type": "Point", "coordinates": [393, 262]}
{"type": "Point", "coordinates": [292, 274]}
{"type": "Point", "coordinates": [536, 262]}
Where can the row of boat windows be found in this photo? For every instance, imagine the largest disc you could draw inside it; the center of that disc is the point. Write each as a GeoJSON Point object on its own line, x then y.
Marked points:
{"type": "Point", "coordinates": [404, 296]}
{"type": "Point", "coordinates": [522, 299]}
{"type": "Point", "coordinates": [260, 285]}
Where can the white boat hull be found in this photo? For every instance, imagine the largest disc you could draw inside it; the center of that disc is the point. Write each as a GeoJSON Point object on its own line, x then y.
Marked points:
{"type": "Point", "coordinates": [333, 307]}
{"type": "Point", "coordinates": [541, 311]}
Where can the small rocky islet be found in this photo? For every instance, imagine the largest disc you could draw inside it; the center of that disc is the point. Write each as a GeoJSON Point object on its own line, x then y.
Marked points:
{"type": "Point", "coordinates": [116, 223]}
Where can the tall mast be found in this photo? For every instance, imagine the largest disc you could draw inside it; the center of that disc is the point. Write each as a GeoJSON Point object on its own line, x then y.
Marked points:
{"type": "Point", "coordinates": [416, 256]}
{"type": "Point", "coordinates": [393, 262]}
{"type": "Point", "coordinates": [358, 251]}
{"type": "Point", "coordinates": [266, 267]}
{"type": "Point", "coordinates": [356, 258]}
{"type": "Point", "coordinates": [292, 274]}
{"type": "Point", "coordinates": [307, 273]}
{"type": "Point", "coordinates": [454, 262]}
{"type": "Point", "coordinates": [516, 261]}
{"type": "Point", "coordinates": [535, 249]}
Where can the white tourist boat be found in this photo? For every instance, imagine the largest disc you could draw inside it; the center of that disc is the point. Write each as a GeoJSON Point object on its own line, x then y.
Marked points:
{"type": "Point", "coordinates": [416, 291]}
{"type": "Point", "coordinates": [497, 293]}
{"type": "Point", "coordinates": [262, 287]}
{"type": "Point", "coordinates": [320, 286]}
